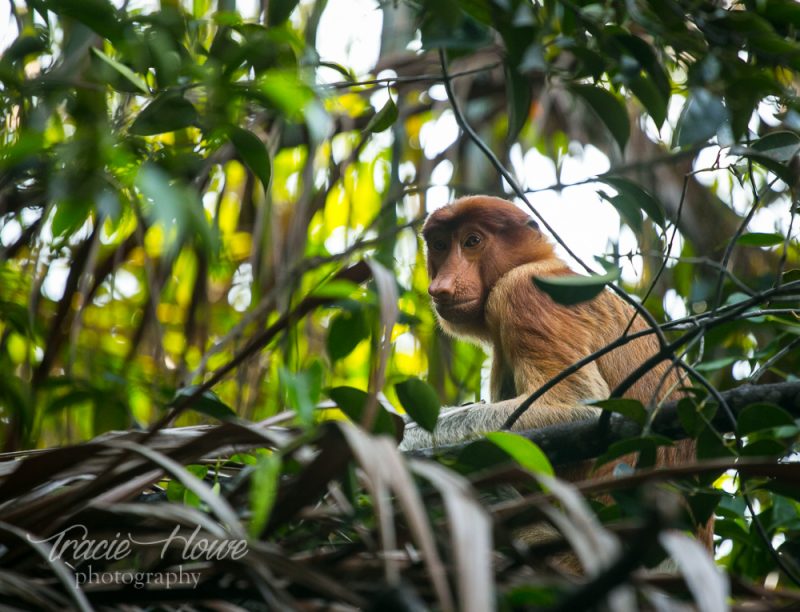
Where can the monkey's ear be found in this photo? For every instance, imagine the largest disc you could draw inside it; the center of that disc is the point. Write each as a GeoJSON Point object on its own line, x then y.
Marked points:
{"type": "Point", "coordinates": [532, 224]}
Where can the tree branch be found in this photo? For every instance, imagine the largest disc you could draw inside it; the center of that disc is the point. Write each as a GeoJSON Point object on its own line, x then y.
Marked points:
{"type": "Point", "coordinates": [581, 440]}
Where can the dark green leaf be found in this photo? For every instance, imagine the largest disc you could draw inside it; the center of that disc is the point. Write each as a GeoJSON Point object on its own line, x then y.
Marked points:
{"type": "Point", "coordinates": [774, 152]}
{"type": "Point", "coordinates": [781, 146]}
{"type": "Point", "coordinates": [69, 215]}
{"type": "Point", "coordinates": [574, 289]}
{"type": "Point", "coordinates": [702, 116]}
{"type": "Point", "coordinates": [25, 45]}
{"type": "Point", "coordinates": [519, 97]}
{"type": "Point", "coordinates": [207, 403]}
{"type": "Point", "coordinates": [764, 448]}
{"type": "Point", "coordinates": [523, 451]}
{"type": "Point", "coordinates": [710, 445]}
{"type": "Point", "coordinates": [253, 153]}
{"type": "Point", "coordinates": [383, 119]}
{"type": "Point", "coordinates": [609, 109]}
{"type": "Point", "coordinates": [651, 98]}
{"type": "Point", "coordinates": [279, 11]}
{"type": "Point", "coordinates": [168, 112]}
{"type": "Point", "coordinates": [757, 417]}
{"type": "Point", "coordinates": [630, 408]}
{"type": "Point", "coordinates": [480, 455]}
{"type": "Point", "coordinates": [346, 330]}
{"type": "Point", "coordinates": [352, 402]}
{"type": "Point", "coordinates": [99, 15]}
{"type": "Point", "coordinates": [636, 196]}
{"type": "Point", "coordinates": [419, 400]}
{"type": "Point", "coordinates": [627, 209]}
{"type": "Point", "coordinates": [757, 239]}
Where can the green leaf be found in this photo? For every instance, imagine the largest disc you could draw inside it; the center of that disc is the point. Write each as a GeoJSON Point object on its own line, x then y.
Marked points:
{"type": "Point", "coordinates": [383, 119]}
{"type": "Point", "coordinates": [608, 108]}
{"type": "Point", "coordinates": [762, 415]}
{"type": "Point", "coordinates": [758, 239]}
{"type": "Point", "coordinates": [519, 95]}
{"type": "Point", "coordinates": [208, 404]}
{"type": "Point", "coordinates": [780, 146]}
{"type": "Point", "coordinates": [716, 364]}
{"type": "Point", "coordinates": [253, 153]}
{"type": "Point", "coordinates": [419, 400]}
{"type": "Point", "coordinates": [774, 152]}
{"type": "Point", "coordinates": [347, 329]}
{"type": "Point", "coordinates": [574, 289]}
{"type": "Point", "coordinates": [98, 15]}
{"type": "Point", "coordinates": [126, 72]}
{"type": "Point", "coordinates": [352, 402]}
{"type": "Point", "coordinates": [303, 390]}
{"type": "Point", "coordinates": [629, 212]}
{"type": "Point", "coordinates": [702, 116]}
{"type": "Point", "coordinates": [629, 408]}
{"type": "Point", "coordinates": [710, 445]}
{"type": "Point", "coordinates": [523, 451]}
{"type": "Point", "coordinates": [279, 11]}
{"type": "Point", "coordinates": [638, 197]}
{"type": "Point", "coordinates": [651, 98]}
{"type": "Point", "coordinates": [166, 113]}
{"type": "Point", "coordinates": [264, 482]}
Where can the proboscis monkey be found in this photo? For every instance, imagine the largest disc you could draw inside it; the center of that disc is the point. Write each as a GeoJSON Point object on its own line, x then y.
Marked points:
{"type": "Point", "coordinates": [483, 253]}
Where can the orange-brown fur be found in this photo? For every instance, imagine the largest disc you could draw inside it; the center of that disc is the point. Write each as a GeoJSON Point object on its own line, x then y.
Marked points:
{"type": "Point", "coordinates": [485, 292]}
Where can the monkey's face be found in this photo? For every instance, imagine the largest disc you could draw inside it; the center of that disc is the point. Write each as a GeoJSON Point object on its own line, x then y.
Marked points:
{"type": "Point", "coordinates": [458, 285]}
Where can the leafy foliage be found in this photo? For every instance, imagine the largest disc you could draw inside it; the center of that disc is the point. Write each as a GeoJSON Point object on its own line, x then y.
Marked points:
{"type": "Point", "coordinates": [182, 190]}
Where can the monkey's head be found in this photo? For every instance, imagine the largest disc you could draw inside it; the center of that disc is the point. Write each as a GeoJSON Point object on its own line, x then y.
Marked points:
{"type": "Point", "coordinates": [471, 243]}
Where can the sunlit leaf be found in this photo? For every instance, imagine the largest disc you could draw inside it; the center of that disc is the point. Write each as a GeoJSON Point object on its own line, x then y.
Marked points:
{"type": "Point", "coordinates": [264, 481]}
{"type": "Point", "coordinates": [523, 451]}
{"type": "Point", "coordinates": [303, 390]}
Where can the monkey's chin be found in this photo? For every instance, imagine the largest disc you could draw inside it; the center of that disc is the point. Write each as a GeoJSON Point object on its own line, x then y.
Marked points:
{"type": "Point", "coordinates": [459, 313]}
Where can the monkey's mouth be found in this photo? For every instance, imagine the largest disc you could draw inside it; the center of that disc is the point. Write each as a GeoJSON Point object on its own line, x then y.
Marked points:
{"type": "Point", "coordinates": [457, 310]}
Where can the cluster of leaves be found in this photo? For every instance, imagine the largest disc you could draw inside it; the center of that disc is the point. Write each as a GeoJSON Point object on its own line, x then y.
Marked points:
{"type": "Point", "coordinates": [179, 190]}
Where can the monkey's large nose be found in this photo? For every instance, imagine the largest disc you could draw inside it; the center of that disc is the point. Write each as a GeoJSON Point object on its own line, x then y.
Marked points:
{"type": "Point", "coordinates": [442, 288]}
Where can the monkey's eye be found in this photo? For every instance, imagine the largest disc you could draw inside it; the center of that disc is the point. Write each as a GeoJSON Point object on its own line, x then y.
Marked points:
{"type": "Point", "coordinates": [439, 245]}
{"type": "Point", "coordinates": [472, 240]}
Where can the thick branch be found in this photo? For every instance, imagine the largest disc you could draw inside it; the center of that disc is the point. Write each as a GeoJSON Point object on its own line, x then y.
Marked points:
{"type": "Point", "coordinates": [570, 442]}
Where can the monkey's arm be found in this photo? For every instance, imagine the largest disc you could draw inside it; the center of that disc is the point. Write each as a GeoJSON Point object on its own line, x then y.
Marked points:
{"type": "Point", "coordinates": [468, 422]}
